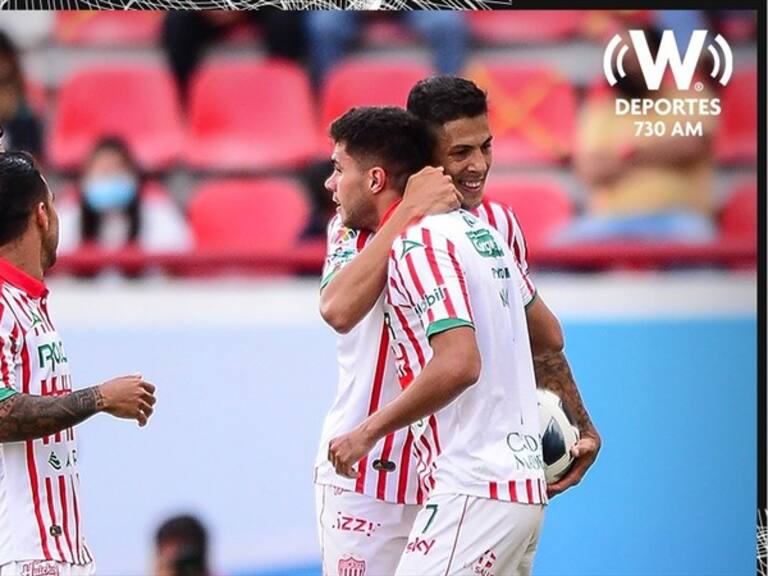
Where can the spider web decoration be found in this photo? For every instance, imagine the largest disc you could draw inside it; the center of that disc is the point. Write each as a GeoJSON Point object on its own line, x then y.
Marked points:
{"type": "Point", "coordinates": [252, 4]}
{"type": "Point", "coordinates": [762, 542]}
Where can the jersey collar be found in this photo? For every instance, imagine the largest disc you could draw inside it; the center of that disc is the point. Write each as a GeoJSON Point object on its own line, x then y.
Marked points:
{"type": "Point", "coordinates": [388, 214]}
{"type": "Point", "coordinates": [32, 286]}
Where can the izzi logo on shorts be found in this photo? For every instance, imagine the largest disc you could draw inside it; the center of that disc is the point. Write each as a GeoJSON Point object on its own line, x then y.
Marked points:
{"type": "Point", "coordinates": [653, 69]}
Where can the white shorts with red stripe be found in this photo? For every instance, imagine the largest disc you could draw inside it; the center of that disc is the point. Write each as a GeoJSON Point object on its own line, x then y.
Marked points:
{"type": "Point", "coordinates": [360, 535]}
{"type": "Point", "coordinates": [46, 568]}
{"type": "Point", "coordinates": [459, 535]}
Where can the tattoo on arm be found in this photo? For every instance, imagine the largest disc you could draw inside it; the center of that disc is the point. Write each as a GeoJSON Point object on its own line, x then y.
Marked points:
{"type": "Point", "coordinates": [553, 373]}
{"type": "Point", "coordinates": [24, 417]}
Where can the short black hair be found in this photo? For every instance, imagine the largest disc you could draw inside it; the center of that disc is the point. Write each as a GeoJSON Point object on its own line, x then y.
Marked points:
{"type": "Point", "coordinates": [190, 534]}
{"type": "Point", "coordinates": [441, 99]}
{"type": "Point", "coordinates": [390, 136]}
{"type": "Point", "coordinates": [21, 188]}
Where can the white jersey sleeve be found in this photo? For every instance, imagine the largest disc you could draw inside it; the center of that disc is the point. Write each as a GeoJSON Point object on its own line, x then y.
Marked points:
{"type": "Point", "coordinates": [9, 352]}
{"type": "Point", "coordinates": [343, 245]}
{"type": "Point", "coordinates": [427, 275]}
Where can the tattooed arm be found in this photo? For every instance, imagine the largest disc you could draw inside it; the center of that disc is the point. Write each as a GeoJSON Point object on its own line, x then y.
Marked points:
{"type": "Point", "coordinates": [554, 373]}
{"type": "Point", "coordinates": [24, 416]}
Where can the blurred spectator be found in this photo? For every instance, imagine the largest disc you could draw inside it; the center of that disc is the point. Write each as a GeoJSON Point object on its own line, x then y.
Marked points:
{"type": "Point", "coordinates": [113, 208]}
{"type": "Point", "coordinates": [186, 34]}
{"type": "Point", "coordinates": [642, 187]}
{"type": "Point", "coordinates": [181, 548]}
{"type": "Point", "coordinates": [28, 28]}
{"type": "Point", "coordinates": [330, 34]}
{"type": "Point", "coordinates": [22, 129]}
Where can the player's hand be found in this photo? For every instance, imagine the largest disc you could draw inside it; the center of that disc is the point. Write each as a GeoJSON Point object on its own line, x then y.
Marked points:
{"type": "Point", "coordinates": [585, 452]}
{"type": "Point", "coordinates": [430, 191]}
{"type": "Point", "coordinates": [129, 397]}
{"type": "Point", "coordinates": [345, 452]}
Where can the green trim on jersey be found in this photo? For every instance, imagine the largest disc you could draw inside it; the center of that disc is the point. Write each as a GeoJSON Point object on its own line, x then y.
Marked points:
{"type": "Point", "coordinates": [447, 324]}
{"type": "Point", "coordinates": [533, 299]}
{"type": "Point", "coordinates": [6, 393]}
{"type": "Point", "coordinates": [324, 282]}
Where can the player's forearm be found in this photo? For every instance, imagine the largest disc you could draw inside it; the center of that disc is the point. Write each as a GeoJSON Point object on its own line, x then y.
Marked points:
{"type": "Point", "coordinates": [354, 289]}
{"type": "Point", "coordinates": [25, 417]}
{"type": "Point", "coordinates": [439, 384]}
{"type": "Point", "coordinates": [554, 373]}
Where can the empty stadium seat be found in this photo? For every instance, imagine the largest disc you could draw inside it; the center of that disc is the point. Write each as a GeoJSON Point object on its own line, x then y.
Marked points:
{"type": "Point", "coordinates": [736, 139]}
{"type": "Point", "coordinates": [368, 83]}
{"type": "Point", "coordinates": [524, 26]}
{"type": "Point", "coordinates": [542, 206]}
{"type": "Point", "coordinates": [250, 117]}
{"type": "Point", "coordinates": [265, 214]}
{"type": "Point", "coordinates": [532, 112]}
{"type": "Point", "coordinates": [738, 218]}
{"type": "Point", "coordinates": [136, 103]}
{"type": "Point", "coordinates": [107, 27]}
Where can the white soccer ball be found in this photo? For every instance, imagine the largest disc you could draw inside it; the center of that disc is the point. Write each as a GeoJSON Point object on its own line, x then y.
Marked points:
{"type": "Point", "coordinates": [558, 435]}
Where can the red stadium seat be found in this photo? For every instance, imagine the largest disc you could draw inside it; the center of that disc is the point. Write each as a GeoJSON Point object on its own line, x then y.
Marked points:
{"type": "Point", "coordinates": [248, 215]}
{"type": "Point", "coordinates": [738, 218]}
{"type": "Point", "coordinates": [368, 83]}
{"type": "Point", "coordinates": [524, 26]}
{"type": "Point", "coordinates": [107, 27]}
{"type": "Point", "coordinates": [251, 117]}
{"type": "Point", "coordinates": [541, 205]}
{"type": "Point", "coordinates": [736, 139]}
{"type": "Point", "coordinates": [532, 112]}
{"type": "Point", "coordinates": [136, 103]}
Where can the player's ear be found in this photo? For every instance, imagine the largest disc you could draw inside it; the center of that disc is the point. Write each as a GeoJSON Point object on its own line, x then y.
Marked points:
{"type": "Point", "coordinates": [41, 215]}
{"type": "Point", "coordinates": [377, 179]}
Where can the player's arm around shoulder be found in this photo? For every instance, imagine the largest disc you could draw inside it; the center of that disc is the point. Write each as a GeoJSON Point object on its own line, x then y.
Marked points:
{"type": "Point", "coordinates": [356, 269]}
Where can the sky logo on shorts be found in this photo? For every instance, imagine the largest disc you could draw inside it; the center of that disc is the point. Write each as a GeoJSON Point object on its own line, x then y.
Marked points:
{"type": "Point", "coordinates": [419, 545]}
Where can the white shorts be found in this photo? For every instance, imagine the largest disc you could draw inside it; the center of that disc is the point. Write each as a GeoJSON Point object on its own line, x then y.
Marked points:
{"type": "Point", "coordinates": [359, 535]}
{"type": "Point", "coordinates": [46, 568]}
{"type": "Point", "coordinates": [458, 535]}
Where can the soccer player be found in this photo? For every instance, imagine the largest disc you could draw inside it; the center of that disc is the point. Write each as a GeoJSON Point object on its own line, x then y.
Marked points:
{"type": "Point", "coordinates": [455, 314]}
{"type": "Point", "coordinates": [364, 522]}
{"type": "Point", "coordinates": [40, 522]}
{"type": "Point", "coordinates": [457, 111]}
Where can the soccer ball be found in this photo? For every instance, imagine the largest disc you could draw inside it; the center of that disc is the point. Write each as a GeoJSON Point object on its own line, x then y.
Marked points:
{"type": "Point", "coordinates": [558, 435]}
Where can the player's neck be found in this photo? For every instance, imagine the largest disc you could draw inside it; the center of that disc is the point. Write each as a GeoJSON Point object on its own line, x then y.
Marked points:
{"type": "Point", "coordinates": [24, 255]}
{"type": "Point", "coordinates": [386, 202]}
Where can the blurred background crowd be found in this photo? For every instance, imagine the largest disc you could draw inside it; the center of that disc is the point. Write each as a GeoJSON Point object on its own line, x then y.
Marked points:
{"type": "Point", "coordinates": [205, 132]}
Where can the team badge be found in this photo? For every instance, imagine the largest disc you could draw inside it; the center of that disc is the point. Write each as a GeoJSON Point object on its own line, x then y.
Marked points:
{"type": "Point", "coordinates": [351, 567]}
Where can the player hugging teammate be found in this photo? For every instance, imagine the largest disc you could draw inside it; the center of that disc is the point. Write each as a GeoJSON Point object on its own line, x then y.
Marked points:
{"type": "Point", "coordinates": [443, 340]}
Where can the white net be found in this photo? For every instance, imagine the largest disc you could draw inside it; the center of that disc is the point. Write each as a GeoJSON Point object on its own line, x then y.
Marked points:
{"type": "Point", "coordinates": [762, 542]}
{"type": "Point", "coordinates": [251, 4]}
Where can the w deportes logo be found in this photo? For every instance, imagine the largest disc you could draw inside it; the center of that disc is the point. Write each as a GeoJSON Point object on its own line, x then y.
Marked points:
{"type": "Point", "coordinates": [668, 57]}
{"type": "Point", "coordinates": [687, 103]}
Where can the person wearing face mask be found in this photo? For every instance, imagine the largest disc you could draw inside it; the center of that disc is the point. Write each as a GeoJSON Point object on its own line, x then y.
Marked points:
{"type": "Point", "coordinates": [22, 129]}
{"type": "Point", "coordinates": [114, 209]}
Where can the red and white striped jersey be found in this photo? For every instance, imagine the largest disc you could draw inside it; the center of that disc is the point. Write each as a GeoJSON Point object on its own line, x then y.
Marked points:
{"type": "Point", "coordinates": [455, 270]}
{"type": "Point", "coordinates": [367, 382]}
{"type": "Point", "coordinates": [39, 483]}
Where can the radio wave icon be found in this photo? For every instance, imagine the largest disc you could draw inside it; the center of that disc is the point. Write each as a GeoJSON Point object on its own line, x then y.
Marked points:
{"type": "Point", "coordinates": [608, 59]}
{"type": "Point", "coordinates": [727, 59]}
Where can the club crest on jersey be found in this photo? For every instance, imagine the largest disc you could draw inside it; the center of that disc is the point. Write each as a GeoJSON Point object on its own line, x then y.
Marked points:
{"type": "Point", "coordinates": [351, 567]}
{"type": "Point", "coordinates": [485, 243]}
{"type": "Point", "coordinates": [439, 294]}
{"type": "Point", "coordinates": [344, 235]}
{"type": "Point", "coordinates": [409, 245]}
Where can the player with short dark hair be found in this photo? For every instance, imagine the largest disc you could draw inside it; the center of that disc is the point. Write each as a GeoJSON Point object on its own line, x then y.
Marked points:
{"type": "Point", "coordinates": [455, 320]}
{"type": "Point", "coordinates": [40, 520]}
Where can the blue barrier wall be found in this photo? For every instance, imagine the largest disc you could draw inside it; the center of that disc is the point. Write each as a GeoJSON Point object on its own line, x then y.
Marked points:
{"type": "Point", "coordinates": [240, 409]}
